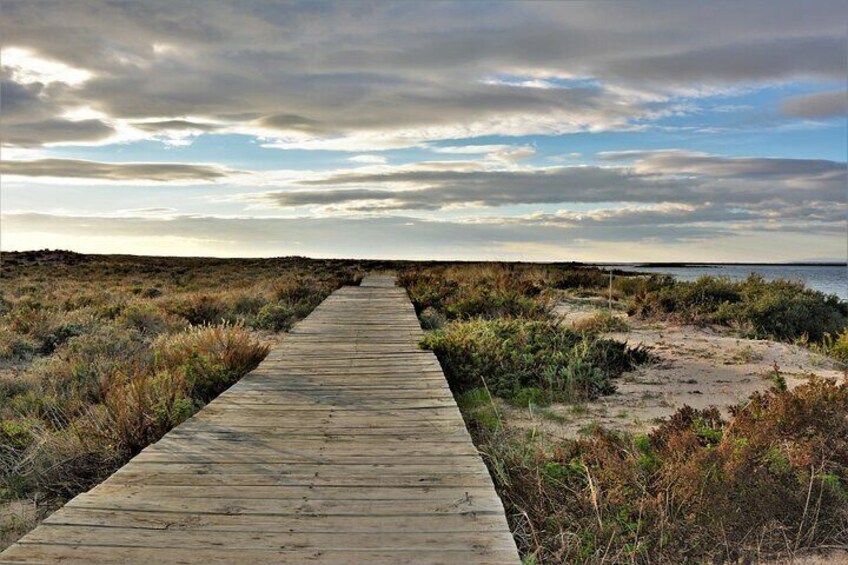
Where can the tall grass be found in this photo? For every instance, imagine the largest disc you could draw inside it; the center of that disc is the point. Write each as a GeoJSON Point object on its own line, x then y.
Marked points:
{"type": "Point", "coordinates": [100, 356]}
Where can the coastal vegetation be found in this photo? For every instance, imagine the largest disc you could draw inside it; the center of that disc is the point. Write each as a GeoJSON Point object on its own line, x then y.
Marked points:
{"type": "Point", "coordinates": [780, 310]}
{"type": "Point", "coordinates": [100, 356]}
{"type": "Point", "coordinates": [768, 481]}
{"type": "Point", "coordinates": [530, 359]}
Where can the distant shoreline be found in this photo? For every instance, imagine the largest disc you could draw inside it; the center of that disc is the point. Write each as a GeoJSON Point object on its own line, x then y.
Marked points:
{"type": "Point", "coordinates": [648, 264]}
{"type": "Point", "coordinates": [713, 264]}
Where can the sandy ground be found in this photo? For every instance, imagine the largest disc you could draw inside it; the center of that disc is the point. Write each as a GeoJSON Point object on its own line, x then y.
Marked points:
{"type": "Point", "coordinates": [16, 518]}
{"type": "Point", "coordinates": [697, 366]}
{"type": "Point", "coordinates": [835, 557]}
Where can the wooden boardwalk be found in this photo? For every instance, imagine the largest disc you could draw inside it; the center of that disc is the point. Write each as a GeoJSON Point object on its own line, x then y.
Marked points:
{"type": "Point", "coordinates": [344, 446]}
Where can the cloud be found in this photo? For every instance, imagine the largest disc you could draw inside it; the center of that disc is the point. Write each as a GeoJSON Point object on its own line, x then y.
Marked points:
{"type": "Point", "coordinates": [120, 172]}
{"type": "Point", "coordinates": [405, 237]}
{"type": "Point", "coordinates": [368, 159]}
{"type": "Point", "coordinates": [35, 134]}
{"type": "Point", "coordinates": [177, 125]}
{"type": "Point", "coordinates": [31, 118]}
{"type": "Point", "coordinates": [690, 162]}
{"type": "Point", "coordinates": [770, 60]}
{"type": "Point", "coordinates": [469, 149]}
{"type": "Point", "coordinates": [358, 77]}
{"type": "Point", "coordinates": [499, 152]}
{"type": "Point", "coordinates": [655, 176]}
{"type": "Point", "coordinates": [818, 105]}
{"type": "Point", "coordinates": [420, 188]}
{"type": "Point", "coordinates": [651, 191]}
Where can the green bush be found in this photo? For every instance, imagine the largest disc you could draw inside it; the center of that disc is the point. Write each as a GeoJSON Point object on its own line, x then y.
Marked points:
{"type": "Point", "coordinates": [836, 347]}
{"type": "Point", "coordinates": [275, 316]}
{"type": "Point", "coordinates": [510, 356]}
{"type": "Point", "coordinates": [487, 291]}
{"type": "Point", "coordinates": [780, 310]}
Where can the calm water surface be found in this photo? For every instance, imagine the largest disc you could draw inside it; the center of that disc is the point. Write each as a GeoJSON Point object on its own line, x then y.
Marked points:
{"type": "Point", "coordinates": [831, 279]}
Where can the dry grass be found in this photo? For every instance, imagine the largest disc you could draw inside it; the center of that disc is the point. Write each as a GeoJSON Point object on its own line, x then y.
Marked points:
{"type": "Point", "coordinates": [100, 356]}
{"type": "Point", "coordinates": [771, 483]}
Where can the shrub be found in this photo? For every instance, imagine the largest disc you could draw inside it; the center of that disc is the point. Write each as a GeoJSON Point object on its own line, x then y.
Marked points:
{"type": "Point", "coordinates": [466, 292]}
{"type": "Point", "coordinates": [198, 308]}
{"type": "Point", "coordinates": [275, 316]}
{"type": "Point", "coordinates": [581, 278]}
{"type": "Point", "coordinates": [149, 319]}
{"type": "Point", "coordinates": [60, 464]}
{"type": "Point", "coordinates": [431, 319]}
{"type": "Point", "coordinates": [698, 489]}
{"type": "Point", "coordinates": [836, 347]}
{"type": "Point", "coordinates": [602, 322]}
{"type": "Point", "coordinates": [780, 310]}
{"type": "Point", "coordinates": [142, 406]}
{"type": "Point", "coordinates": [478, 409]}
{"type": "Point", "coordinates": [16, 347]}
{"type": "Point", "coordinates": [211, 358]}
{"type": "Point", "coordinates": [82, 366]}
{"type": "Point", "coordinates": [511, 355]}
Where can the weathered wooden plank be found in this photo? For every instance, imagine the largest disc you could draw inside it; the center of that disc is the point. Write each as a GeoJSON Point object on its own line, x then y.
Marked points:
{"type": "Point", "coordinates": [252, 540]}
{"type": "Point", "coordinates": [344, 446]}
{"type": "Point", "coordinates": [159, 520]}
{"type": "Point", "coordinates": [96, 555]}
{"type": "Point", "coordinates": [289, 507]}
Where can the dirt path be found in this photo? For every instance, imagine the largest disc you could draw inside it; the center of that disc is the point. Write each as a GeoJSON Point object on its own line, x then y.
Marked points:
{"type": "Point", "coordinates": [697, 366]}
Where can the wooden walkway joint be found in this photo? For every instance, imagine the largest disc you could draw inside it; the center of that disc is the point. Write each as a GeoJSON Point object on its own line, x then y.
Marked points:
{"type": "Point", "coordinates": [344, 446]}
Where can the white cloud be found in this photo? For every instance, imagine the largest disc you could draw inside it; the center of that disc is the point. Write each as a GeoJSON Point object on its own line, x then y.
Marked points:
{"type": "Point", "coordinates": [368, 159]}
{"type": "Point", "coordinates": [27, 67]}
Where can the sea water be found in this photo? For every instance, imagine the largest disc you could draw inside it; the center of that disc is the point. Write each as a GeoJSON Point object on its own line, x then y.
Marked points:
{"type": "Point", "coordinates": [830, 279]}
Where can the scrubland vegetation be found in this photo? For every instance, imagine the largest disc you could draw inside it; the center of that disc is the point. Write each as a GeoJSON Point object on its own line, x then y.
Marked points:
{"type": "Point", "coordinates": [780, 310]}
{"type": "Point", "coordinates": [769, 482]}
{"type": "Point", "coordinates": [100, 356]}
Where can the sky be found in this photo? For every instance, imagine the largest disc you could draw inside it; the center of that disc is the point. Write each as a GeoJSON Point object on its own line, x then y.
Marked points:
{"type": "Point", "coordinates": [553, 131]}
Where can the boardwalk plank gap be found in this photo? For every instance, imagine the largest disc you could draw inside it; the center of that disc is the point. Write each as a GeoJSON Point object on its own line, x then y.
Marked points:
{"type": "Point", "coordinates": [344, 446]}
